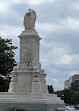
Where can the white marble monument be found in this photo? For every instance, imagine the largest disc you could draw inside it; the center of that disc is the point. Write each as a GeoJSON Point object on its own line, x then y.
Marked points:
{"type": "Point", "coordinates": [28, 76]}
{"type": "Point", "coordinates": [28, 90]}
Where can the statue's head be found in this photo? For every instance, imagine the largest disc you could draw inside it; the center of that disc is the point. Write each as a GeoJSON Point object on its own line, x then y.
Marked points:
{"type": "Point", "coordinates": [31, 13]}
{"type": "Point", "coordinates": [29, 19]}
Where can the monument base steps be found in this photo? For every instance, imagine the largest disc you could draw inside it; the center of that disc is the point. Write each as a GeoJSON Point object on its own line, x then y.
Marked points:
{"type": "Point", "coordinates": [29, 102]}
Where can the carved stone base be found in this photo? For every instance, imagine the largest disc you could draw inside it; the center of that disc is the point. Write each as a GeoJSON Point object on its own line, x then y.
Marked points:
{"type": "Point", "coordinates": [30, 102]}
{"type": "Point", "coordinates": [28, 81]}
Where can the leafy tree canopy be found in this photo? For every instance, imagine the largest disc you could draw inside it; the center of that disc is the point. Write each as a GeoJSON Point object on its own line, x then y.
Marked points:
{"type": "Point", "coordinates": [75, 86]}
{"type": "Point", "coordinates": [4, 85]}
{"type": "Point", "coordinates": [7, 61]}
{"type": "Point", "coordinates": [69, 96]}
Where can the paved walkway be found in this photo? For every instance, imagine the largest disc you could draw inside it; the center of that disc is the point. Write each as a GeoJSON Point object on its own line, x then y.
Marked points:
{"type": "Point", "coordinates": [71, 110]}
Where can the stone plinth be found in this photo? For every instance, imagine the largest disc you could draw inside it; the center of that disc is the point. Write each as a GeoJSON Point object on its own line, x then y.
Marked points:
{"type": "Point", "coordinates": [28, 76]}
{"type": "Point", "coordinates": [30, 102]}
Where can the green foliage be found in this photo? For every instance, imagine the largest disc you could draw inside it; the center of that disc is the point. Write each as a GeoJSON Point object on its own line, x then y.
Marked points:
{"type": "Point", "coordinates": [75, 86]}
{"type": "Point", "coordinates": [50, 89]}
{"type": "Point", "coordinates": [7, 62]}
{"type": "Point", "coordinates": [65, 95]}
{"type": "Point", "coordinates": [69, 96]}
{"type": "Point", "coordinates": [75, 97]}
{"type": "Point", "coordinates": [4, 85]}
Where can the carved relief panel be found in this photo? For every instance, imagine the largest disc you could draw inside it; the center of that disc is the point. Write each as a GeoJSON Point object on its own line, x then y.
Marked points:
{"type": "Point", "coordinates": [29, 50]}
{"type": "Point", "coordinates": [26, 50]}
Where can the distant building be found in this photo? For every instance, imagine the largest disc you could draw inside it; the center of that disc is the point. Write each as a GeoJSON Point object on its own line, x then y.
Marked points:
{"type": "Point", "coordinates": [74, 78]}
{"type": "Point", "coordinates": [66, 84]}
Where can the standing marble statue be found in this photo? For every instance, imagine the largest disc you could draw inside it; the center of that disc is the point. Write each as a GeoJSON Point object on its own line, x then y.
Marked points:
{"type": "Point", "coordinates": [26, 56]}
{"type": "Point", "coordinates": [29, 19]}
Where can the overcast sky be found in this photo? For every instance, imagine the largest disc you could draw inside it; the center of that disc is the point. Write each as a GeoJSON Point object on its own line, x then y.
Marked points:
{"type": "Point", "coordinates": [58, 25]}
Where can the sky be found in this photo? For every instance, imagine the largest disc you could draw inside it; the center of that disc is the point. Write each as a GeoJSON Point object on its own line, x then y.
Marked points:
{"type": "Point", "coordinates": [57, 24]}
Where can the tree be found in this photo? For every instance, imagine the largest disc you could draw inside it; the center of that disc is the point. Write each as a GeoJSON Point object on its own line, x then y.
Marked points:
{"type": "Point", "coordinates": [65, 95]}
{"type": "Point", "coordinates": [50, 89]}
{"type": "Point", "coordinates": [75, 97]}
{"type": "Point", "coordinates": [75, 86]}
{"type": "Point", "coordinates": [70, 95]}
{"type": "Point", "coordinates": [7, 61]}
{"type": "Point", "coordinates": [4, 85]}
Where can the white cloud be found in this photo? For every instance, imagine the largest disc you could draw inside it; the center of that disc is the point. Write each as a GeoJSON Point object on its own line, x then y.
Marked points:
{"type": "Point", "coordinates": [47, 26]}
{"type": "Point", "coordinates": [10, 31]}
{"type": "Point", "coordinates": [56, 83]}
{"type": "Point", "coordinates": [70, 23]}
{"type": "Point", "coordinates": [4, 7]}
{"type": "Point", "coordinates": [73, 72]}
{"type": "Point", "coordinates": [32, 2]}
{"type": "Point", "coordinates": [76, 6]}
{"type": "Point", "coordinates": [54, 55]}
{"type": "Point", "coordinates": [46, 45]}
{"type": "Point", "coordinates": [17, 1]}
{"type": "Point", "coordinates": [65, 59]}
{"type": "Point", "coordinates": [65, 24]}
{"type": "Point", "coordinates": [59, 51]}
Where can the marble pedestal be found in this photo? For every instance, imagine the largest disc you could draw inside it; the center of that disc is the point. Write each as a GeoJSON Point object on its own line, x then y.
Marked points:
{"type": "Point", "coordinates": [29, 102]}
{"type": "Point", "coordinates": [28, 76]}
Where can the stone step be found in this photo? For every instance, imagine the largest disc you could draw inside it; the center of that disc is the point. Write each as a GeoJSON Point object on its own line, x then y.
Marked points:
{"type": "Point", "coordinates": [26, 100]}
{"type": "Point", "coordinates": [28, 96]}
